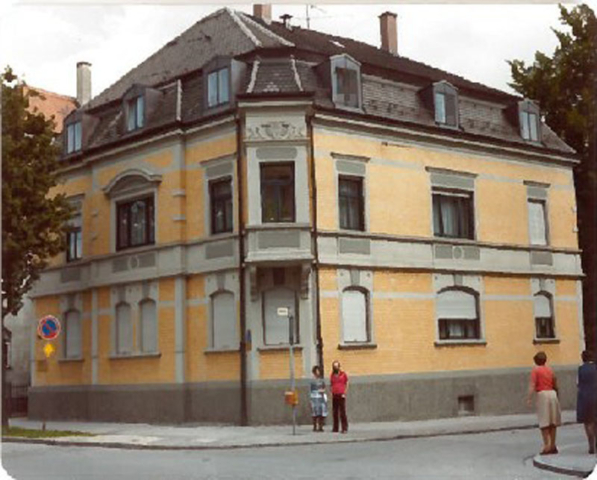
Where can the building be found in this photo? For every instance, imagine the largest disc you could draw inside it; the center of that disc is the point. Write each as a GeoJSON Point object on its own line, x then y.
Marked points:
{"type": "Point", "coordinates": [418, 226]}
{"type": "Point", "coordinates": [18, 330]}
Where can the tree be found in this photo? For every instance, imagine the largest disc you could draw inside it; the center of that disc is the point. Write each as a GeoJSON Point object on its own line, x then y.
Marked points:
{"type": "Point", "coordinates": [565, 85]}
{"type": "Point", "coordinates": [33, 221]}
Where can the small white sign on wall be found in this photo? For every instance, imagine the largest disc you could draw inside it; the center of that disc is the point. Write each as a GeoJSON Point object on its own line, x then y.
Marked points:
{"type": "Point", "coordinates": [283, 312]}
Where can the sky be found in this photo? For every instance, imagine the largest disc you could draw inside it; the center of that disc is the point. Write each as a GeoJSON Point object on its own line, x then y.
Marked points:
{"type": "Point", "coordinates": [43, 42]}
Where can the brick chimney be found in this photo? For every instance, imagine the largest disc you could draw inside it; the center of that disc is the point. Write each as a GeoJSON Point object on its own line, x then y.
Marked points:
{"type": "Point", "coordinates": [264, 12]}
{"type": "Point", "coordinates": [389, 32]}
{"type": "Point", "coordinates": [83, 82]}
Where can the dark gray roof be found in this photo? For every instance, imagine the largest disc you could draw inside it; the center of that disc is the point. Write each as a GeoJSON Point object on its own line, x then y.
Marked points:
{"type": "Point", "coordinates": [288, 61]}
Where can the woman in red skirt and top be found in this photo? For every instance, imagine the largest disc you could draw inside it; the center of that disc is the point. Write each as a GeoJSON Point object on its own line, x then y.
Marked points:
{"type": "Point", "coordinates": [544, 384]}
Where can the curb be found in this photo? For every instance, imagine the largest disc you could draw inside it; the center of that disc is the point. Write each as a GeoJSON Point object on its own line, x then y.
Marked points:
{"type": "Point", "coordinates": [572, 471]}
{"type": "Point", "coordinates": [232, 446]}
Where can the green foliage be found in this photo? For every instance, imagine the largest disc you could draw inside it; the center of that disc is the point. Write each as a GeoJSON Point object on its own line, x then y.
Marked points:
{"type": "Point", "coordinates": [33, 224]}
{"type": "Point", "coordinates": [565, 83]}
{"type": "Point", "coordinates": [30, 433]}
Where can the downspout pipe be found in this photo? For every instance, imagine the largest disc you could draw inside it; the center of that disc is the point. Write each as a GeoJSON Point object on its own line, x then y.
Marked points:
{"type": "Point", "coordinates": [244, 416]}
{"type": "Point", "coordinates": [315, 244]}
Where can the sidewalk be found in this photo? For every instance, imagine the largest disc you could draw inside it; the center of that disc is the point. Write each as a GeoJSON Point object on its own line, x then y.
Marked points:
{"type": "Point", "coordinates": [572, 459]}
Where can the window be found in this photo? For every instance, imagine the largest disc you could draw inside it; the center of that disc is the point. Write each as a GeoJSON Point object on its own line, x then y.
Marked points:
{"type": "Point", "coordinates": [445, 102]}
{"type": "Point", "coordinates": [276, 328]}
{"type": "Point", "coordinates": [537, 222]}
{"type": "Point", "coordinates": [149, 326]}
{"type": "Point", "coordinates": [347, 86]}
{"type": "Point", "coordinates": [73, 137]}
{"type": "Point", "coordinates": [220, 192]}
{"type": "Point", "coordinates": [529, 121]}
{"type": "Point", "coordinates": [135, 113]}
{"type": "Point", "coordinates": [74, 239]}
{"type": "Point", "coordinates": [457, 315]}
{"type": "Point", "coordinates": [124, 329]}
{"type": "Point", "coordinates": [72, 334]}
{"type": "Point", "coordinates": [453, 214]}
{"type": "Point", "coordinates": [346, 82]}
{"type": "Point", "coordinates": [223, 318]}
{"type": "Point", "coordinates": [355, 316]}
{"type": "Point", "coordinates": [351, 203]}
{"type": "Point", "coordinates": [544, 324]}
{"type": "Point", "coordinates": [135, 223]}
{"type": "Point", "coordinates": [218, 91]}
{"type": "Point", "coordinates": [277, 192]}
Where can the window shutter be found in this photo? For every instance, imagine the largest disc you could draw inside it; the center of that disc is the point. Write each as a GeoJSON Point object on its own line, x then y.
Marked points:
{"type": "Point", "coordinates": [276, 327]}
{"type": "Point", "coordinates": [533, 124]}
{"type": "Point", "coordinates": [354, 316]}
{"type": "Point", "coordinates": [224, 321]}
{"type": "Point", "coordinates": [542, 306]}
{"type": "Point", "coordinates": [124, 333]}
{"type": "Point", "coordinates": [140, 110]}
{"type": "Point", "coordinates": [223, 85]}
{"type": "Point", "coordinates": [73, 334]}
{"type": "Point", "coordinates": [78, 136]}
{"type": "Point", "coordinates": [524, 125]}
{"type": "Point", "coordinates": [456, 304]}
{"type": "Point", "coordinates": [451, 109]}
{"type": "Point", "coordinates": [149, 324]}
{"type": "Point", "coordinates": [538, 233]}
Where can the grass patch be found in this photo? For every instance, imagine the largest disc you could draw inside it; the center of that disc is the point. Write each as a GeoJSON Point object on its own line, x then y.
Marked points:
{"type": "Point", "coordinates": [30, 433]}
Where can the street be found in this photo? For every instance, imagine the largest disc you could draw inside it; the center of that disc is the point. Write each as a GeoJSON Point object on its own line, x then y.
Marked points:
{"type": "Point", "coordinates": [497, 455]}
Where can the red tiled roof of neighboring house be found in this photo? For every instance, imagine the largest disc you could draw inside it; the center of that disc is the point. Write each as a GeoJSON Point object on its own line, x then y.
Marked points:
{"type": "Point", "coordinates": [51, 104]}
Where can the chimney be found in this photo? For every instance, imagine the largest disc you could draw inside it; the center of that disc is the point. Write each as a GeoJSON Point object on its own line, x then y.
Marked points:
{"type": "Point", "coordinates": [389, 32]}
{"type": "Point", "coordinates": [264, 12]}
{"type": "Point", "coordinates": [83, 82]}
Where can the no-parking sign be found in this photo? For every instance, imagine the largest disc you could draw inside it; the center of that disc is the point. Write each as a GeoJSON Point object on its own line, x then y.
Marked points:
{"type": "Point", "coordinates": [48, 327]}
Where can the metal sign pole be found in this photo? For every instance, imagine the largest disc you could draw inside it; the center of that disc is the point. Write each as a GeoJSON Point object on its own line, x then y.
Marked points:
{"type": "Point", "coordinates": [292, 384]}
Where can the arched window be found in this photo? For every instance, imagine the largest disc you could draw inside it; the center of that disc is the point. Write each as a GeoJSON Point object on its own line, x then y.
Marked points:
{"type": "Point", "coordinates": [224, 332]}
{"type": "Point", "coordinates": [148, 326]}
{"type": "Point", "coordinates": [72, 334]}
{"type": "Point", "coordinates": [275, 327]}
{"type": "Point", "coordinates": [355, 316]}
{"type": "Point", "coordinates": [458, 314]}
{"type": "Point", "coordinates": [544, 322]}
{"type": "Point", "coordinates": [124, 329]}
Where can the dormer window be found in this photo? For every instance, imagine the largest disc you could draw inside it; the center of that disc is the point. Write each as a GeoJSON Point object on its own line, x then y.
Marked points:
{"type": "Point", "coordinates": [346, 82]}
{"type": "Point", "coordinates": [218, 87]}
{"type": "Point", "coordinates": [530, 121]}
{"type": "Point", "coordinates": [445, 103]}
{"type": "Point", "coordinates": [135, 113]}
{"type": "Point", "coordinates": [73, 137]}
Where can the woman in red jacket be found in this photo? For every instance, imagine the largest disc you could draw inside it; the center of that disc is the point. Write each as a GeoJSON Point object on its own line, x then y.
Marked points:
{"type": "Point", "coordinates": [339, 382]}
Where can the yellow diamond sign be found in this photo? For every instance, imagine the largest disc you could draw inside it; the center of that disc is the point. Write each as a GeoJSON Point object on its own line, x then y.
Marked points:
{"type": "Point", "coordinates": [49, 349]}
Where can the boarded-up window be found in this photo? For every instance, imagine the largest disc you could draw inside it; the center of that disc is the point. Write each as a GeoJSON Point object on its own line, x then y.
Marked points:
{"type": "Point", "coordinates": [148, 326]}
{"type": "Point", "coordinates": [72, 334]}
{"type": "Point", "coordinates": [124, 329]}
{"type": "Point", "coordinates": [457, 315]}
{"type": "Point", "coordinates": [355, 323]}
{"type": "Point", "coordinates": [544, 324]}
{"type": "Point", "coordinates": [276, 328]}
{"type": "Point", "coordinates": [537, 222]}
{"type": "Point", "coordinates": [223, 317]}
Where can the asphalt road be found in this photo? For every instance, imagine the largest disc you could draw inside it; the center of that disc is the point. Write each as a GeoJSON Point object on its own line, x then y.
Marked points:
{"type": "Point", "coordinates": [499, 455]}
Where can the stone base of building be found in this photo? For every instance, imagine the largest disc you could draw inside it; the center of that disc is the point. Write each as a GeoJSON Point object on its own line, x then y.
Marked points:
{"type": "Point", "coordinates": [372, 398]}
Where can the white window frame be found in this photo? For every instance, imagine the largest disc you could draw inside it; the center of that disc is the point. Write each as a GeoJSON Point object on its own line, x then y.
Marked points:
{"type": "Point", "coordinates": [215, 342]}
{"type": "Point", "coordinates": [549, 297]}
{"type": "Point", "coordinates": [74, 137]}
{"type": "Point", "coordinates": [142, 326]}
{"type": "Point", "coordinates": [367, 312]}
{"type": "Point", "coordinates": [117, 346]}
{"type": "Point", "coordinates": [346, 62]}
{"type": "Point", "coordinates": [440, 317]}
{"type": "Point", "coordinates": [67, 335]}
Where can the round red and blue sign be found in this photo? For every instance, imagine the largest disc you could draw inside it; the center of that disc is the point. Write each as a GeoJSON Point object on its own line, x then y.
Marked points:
{"type": "Point", "coordinates": [48, 327]}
